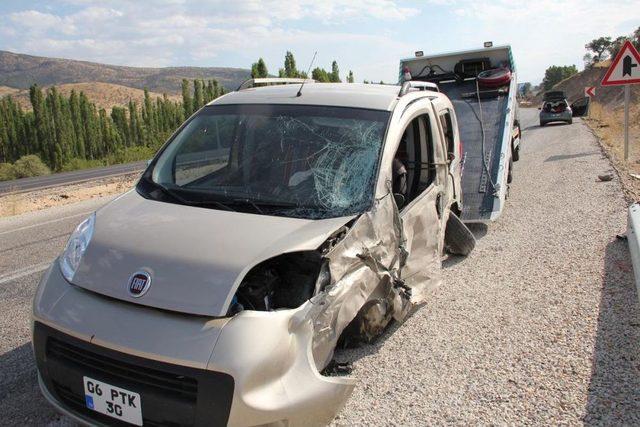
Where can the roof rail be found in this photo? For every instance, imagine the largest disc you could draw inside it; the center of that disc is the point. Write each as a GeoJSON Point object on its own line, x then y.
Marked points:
{"type": "Point", "coordinates": [413, 85]}
{"type": "Point", "coordinates": [267, 81]}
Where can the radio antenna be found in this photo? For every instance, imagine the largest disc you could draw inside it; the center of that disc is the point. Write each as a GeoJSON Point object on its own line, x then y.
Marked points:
{"type": "Point", "coordinates": [308, 71]}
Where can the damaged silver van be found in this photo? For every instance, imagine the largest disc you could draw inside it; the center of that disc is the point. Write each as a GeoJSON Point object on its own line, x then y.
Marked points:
{"type": "Point", "coordinates": [274, 225]}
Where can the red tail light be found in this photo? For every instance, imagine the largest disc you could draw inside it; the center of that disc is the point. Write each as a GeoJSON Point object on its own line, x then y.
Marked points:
{"type": "Point", "coordinates": [460, 149]}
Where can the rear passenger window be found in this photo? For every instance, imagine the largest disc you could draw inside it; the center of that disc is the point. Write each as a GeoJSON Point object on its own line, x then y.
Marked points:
{"type": "Point", "coordinates": [447, 128]}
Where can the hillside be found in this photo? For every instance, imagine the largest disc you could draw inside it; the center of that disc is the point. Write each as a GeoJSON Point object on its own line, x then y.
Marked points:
{"type": "Point", "coordinates": [5, 90]}
{"type": "Point", "coordinates": [611, 96]}
{"type": "Point", "coordinates": [21, 71]}
{"type": "Point", "coordinates": [104, 95]}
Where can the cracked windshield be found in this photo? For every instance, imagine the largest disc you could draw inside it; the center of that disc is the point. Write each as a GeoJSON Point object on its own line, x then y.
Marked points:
{"type": "Point", "coordinates": [298, 161]}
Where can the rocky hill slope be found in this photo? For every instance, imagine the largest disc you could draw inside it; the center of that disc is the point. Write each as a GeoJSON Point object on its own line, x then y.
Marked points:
{"type": "Point", "coordinates": [610, 96]}
{"type": "Point", "coordinates": [104, 95]}
{"type": "Point", "coordinates": [20, 71]}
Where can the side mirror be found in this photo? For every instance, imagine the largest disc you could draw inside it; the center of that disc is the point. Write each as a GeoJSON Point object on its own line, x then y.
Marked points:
{"type": "Point", "coordinates": [400, 200]}
{"type": "Point", "coordinates": [451, 156]}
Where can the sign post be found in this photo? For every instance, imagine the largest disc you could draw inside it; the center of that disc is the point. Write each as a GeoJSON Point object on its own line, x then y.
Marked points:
{"type": "Point", "coordinates": [627, 91]}
{"type": "Point", "coordinates": [624, 71]}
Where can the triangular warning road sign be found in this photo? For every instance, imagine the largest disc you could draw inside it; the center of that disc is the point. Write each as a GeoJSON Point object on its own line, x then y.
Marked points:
{"type": "Point", "coordinates": [625, 68]}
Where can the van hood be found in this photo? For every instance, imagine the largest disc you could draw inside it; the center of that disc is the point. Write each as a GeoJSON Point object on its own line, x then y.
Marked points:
{"type": "Point", "coordinates": [196, 257]}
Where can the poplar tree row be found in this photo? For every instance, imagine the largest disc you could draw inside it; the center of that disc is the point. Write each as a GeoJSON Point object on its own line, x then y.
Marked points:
{"type": "Point", "coordinates": [259, 69]}
{"type": "Point", "coordinates": [62, 129]}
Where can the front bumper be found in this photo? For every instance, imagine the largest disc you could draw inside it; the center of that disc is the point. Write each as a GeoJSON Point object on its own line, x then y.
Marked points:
{"type": "Point", "coordinates": [255, 368]}
{"type": "Point", "coordinates": [171, 393]}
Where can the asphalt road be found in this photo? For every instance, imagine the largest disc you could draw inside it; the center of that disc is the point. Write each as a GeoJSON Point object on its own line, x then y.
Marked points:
{"type": "Point", "coordinates": [28, 243]}
{"type": "Point", "coordinates": [64, 178]}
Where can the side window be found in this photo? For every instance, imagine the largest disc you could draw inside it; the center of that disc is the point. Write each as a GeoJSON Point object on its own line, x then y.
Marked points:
{"type": "Point", "coordinates": [207, 151]}
{"type": "Point", "coordinates": [413, 170]}
{"type": "Point", "coordinates": [428, 170]}
{"type": "Point", "coordinates": [447, 128]}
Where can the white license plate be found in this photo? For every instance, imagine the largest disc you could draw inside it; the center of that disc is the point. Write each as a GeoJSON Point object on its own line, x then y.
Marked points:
{"type": "Point", "coordinates": [113, 401]}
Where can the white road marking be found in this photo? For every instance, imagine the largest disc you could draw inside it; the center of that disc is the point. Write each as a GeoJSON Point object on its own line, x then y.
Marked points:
{"type": "Point", "coordinates": [22, 272]}
{"type": "Point", "coordinates": [26, 227]}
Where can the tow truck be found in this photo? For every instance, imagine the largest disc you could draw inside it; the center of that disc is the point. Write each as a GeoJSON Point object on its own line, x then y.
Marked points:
{"type": "Point", "coordinates": [482, 86]}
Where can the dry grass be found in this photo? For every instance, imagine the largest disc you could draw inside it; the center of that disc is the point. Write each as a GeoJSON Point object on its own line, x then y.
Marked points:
{"type": "Point", "coordinates": [15, 204]}
{"type": "Point", "coordinates": [10, 205]}
{"type": "Point", "coordinates": [608, 125]}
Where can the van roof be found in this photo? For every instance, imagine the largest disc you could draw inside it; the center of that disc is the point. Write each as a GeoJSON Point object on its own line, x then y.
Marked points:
{"type": "Point", "coordinates": [355, 95]}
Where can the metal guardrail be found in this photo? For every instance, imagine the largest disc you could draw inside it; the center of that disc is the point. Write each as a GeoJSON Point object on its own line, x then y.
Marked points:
{"type": "Point", "coordinates": [24, 185]}
{"type": "Point", "coordinates": [633, 239]}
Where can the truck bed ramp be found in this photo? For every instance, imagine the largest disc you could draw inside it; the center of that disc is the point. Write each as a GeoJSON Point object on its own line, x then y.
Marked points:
{"type": "Point", "coordinates": [481, 160]}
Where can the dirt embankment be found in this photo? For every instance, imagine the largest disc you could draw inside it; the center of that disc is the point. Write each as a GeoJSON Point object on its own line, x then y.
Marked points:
{"type": "Point", "coordinates": [104, 95]}
{"type": "Point", "coordinates": [608, 125]}
{"type": "Point", "coordinates": [15, 204]}
{"type": "Point", "coordinates": [608, 96]}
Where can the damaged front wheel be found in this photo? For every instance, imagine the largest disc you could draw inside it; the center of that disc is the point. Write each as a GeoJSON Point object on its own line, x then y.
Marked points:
{"type": "Point", "coordinates": [458, 239]}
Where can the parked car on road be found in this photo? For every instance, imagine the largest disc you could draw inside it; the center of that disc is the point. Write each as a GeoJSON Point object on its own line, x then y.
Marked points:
{"type": "Point", "coordinates": [277, 223]}
{"type": "Point", "coordinates": [556, 108]}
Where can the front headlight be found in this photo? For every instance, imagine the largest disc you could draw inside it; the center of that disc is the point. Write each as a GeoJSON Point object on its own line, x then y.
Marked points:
{"type": "Point", "coordinates": [76, 246]}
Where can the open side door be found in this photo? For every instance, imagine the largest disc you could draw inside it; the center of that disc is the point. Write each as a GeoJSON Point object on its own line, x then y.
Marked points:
{"type": "Point", "coordinates": [580, 108]}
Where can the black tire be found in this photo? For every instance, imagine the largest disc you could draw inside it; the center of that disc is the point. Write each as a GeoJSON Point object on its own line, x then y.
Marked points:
{"type": "Point", "coordinates": [510, 172]}
{"type": "Point", "coordinates": [542, 124]}
{"type": "Point", "coordinates": [458, 239]}
{"type": "Point", "coordinates": [516, 154]}
{"type": "Point", "coordinates": [570, 121]}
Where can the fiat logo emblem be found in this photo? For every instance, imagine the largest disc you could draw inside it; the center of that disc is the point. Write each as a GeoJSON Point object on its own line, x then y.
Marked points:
{"type": "Point", "coordinates": [139, 284]}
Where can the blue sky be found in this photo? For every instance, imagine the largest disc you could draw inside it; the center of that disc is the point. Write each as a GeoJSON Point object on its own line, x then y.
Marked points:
{"type": "Point", "coordinates": [366, 36]}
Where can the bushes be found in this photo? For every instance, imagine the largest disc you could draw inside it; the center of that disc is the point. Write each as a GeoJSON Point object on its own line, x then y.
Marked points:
{"type": "Point", "coordinates": [131, 154]}
{"type": "Point", "coordinates": [24, 167]}
{"type": "Point", "coordinates": [7, 172]}
{"type": "Point", "coordinates": [30, 165]}
{"type": "Point", "coordinates": [77, 163]}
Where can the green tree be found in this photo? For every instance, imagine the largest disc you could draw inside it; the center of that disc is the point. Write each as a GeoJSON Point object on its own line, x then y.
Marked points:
{"type": "Point", "coordinates": [259, 69]}
{"type": "Point", "coordinates": [90, 127]}
{"type": "Point", "coordinates": [187, 104]}
{"type": "Point", "coordinates": [616, 45]}
{"type": "Point", "coordinates": [335, 73]}
{"type": "Point", "coordinates": [119, 119]}
{"type": "Point", "coordinates": [198, 95]}
{"type": "Point", "coordinates": [556, 73]}
{"type": "Point", "coordinates": [290, 69]}
{"type": "Point", "coordinates": [41, 119]}
{"type": "Point", "coordinates": [350, 78]}
{"type": "Point", "coordinates": [599, 47]}
{"type": "Point", "coordinates": [209, 92]}
{"type": "Point", "coordinates": [76, 118]}
{"type": "Point", "coordinates": [320, 75]}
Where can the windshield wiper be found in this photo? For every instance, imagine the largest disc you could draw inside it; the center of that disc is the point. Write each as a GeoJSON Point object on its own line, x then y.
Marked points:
{"type": "Point", "coordinates": [187, 202]}
{"type": "Point", "coordinates": [249, 202]}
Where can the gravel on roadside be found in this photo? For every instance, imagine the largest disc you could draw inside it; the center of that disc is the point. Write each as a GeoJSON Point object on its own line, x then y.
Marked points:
{"type": "Point", "coordinates": [539, 325]}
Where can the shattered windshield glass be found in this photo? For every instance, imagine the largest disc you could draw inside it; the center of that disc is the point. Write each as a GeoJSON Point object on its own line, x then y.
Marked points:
{"type": "Point", "coordinates": [298, 161]}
